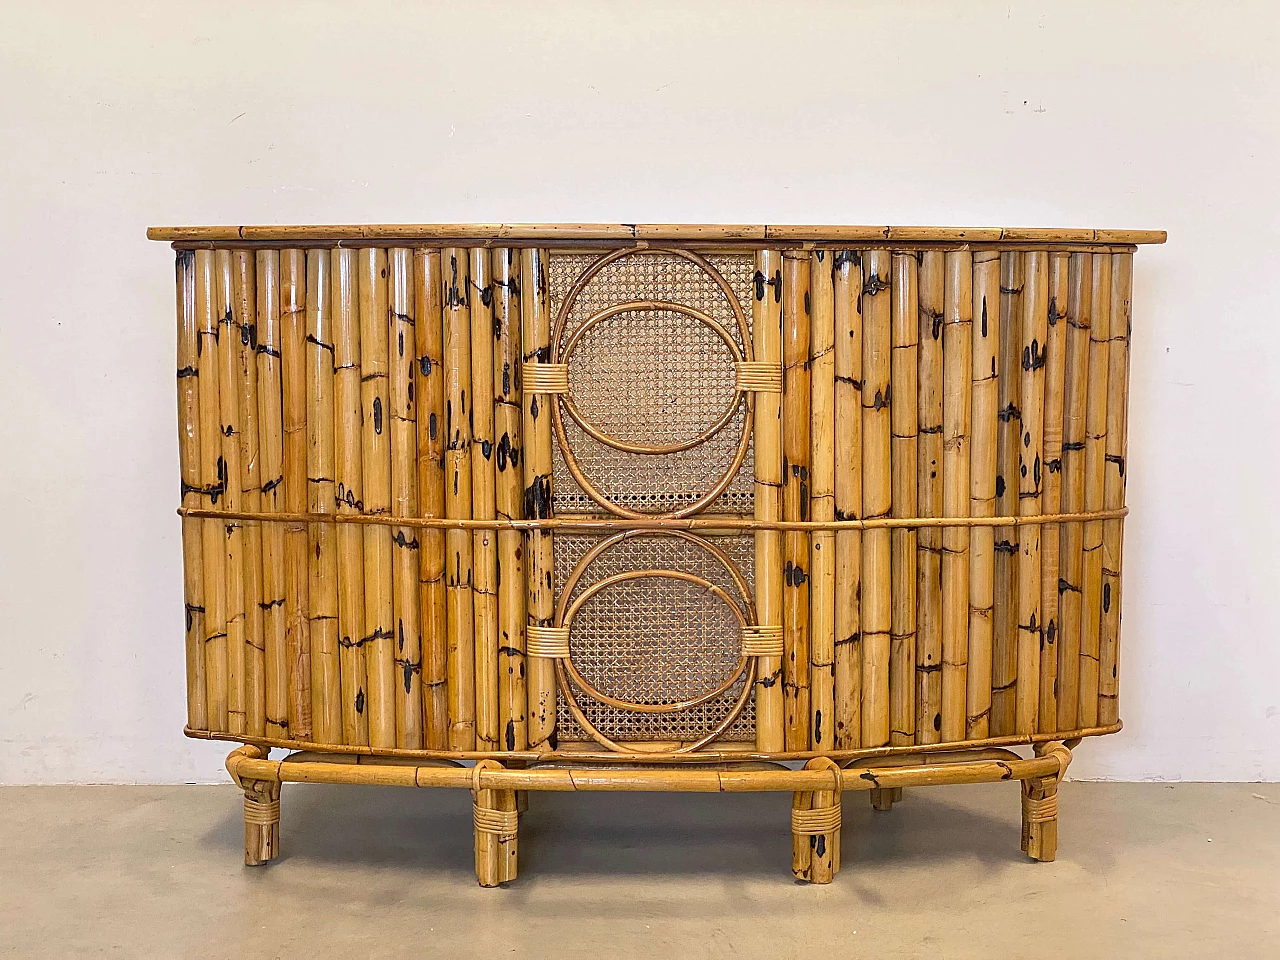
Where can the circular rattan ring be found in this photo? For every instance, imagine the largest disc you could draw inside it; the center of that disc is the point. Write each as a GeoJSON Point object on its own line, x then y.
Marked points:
{"type": "Point", "coordinates": [651, 306]}
{"type": "Point", "coordinates": [746, 613]}
{"type": "Point", "coordinates": [745, 354]}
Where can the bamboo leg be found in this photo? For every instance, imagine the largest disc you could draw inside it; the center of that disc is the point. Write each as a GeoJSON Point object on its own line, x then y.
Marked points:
{"type": "Point", "coordinates": [509, 505]}
{"type": "Point", "coordinates": [877, 495]}
{"type": "Point", "coordinates": [293, 344]}
{"type": "Point", "coordinates": [349, 495]}
{"type": "Point", "coordinates": [1004, 657]}
{"type": "Point", "coordinates": [883, 798]}
{"type": "Point", "coordinates": [847, 294]}
{"type": "Point", "coordinates": [458, 543]}
{"type": "Point", "coordinates": [822, 503]}
{"type": "Point", "coordinates": [929, 483]}
{"type": "Point", "coordinates": [957, 375]}
{"type": "Point", "coordinates": [429, 395]}
{"type": "Point", "coordinates": [326, 699]}
{"type": "Point", "coordinates": [904, 425]}
{"type": "Point", "coordinates": [766, 310]}
{"type": "Point", "coordinates": [985, 406]}
{"type": "Point", "coordinates": [795, 496]}
{"type": "Point", "coordinates": [261, 821]}
{"type": "Point", "coordinates": [193, 495]}
{"type": "Point", "coordinates": [815, 828]}
{"type": "Point", "coordinates": [1035, 305]}
{"type": "Point", "coordinates": [379, 603]}
{"type": "Point", "coordinates": [496, 830]}
{"type": "Point", "coordinates": [1051, 535]}
{"type": "Point", "coordinates": [271, 447]}
{"type": "Point", "coordinates": [484, 583]}
{"type": "Point", "coordinates": [1071, 558]}
{"type": "Point", "coordinates": [401, 289]}
{"type": "Point", "coordinates": [1113, 494]}
{"type": "Point", "coordinates": [1095, 450]}
{"type": "Point", "coordinates": [535, 314]}
{"type": "Point", "coordinates": [1040, 806]}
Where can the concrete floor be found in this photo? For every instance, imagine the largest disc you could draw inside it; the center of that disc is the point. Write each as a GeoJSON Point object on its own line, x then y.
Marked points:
{"type": "Point", "coordinates": [1144, 870]}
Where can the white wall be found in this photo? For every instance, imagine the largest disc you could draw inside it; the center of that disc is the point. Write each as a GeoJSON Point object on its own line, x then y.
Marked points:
{"type": "Point", "coordinates": [1145, 114]}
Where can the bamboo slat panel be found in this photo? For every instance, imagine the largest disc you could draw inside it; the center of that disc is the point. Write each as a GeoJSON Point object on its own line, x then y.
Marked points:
{"type": "Point", "coordinates": [938, 474]}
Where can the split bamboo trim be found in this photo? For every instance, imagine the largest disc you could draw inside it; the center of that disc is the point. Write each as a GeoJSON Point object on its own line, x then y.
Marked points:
{"type": "Point", "coordinates": [548, 642]}
{"type": "Point", "coordinates": [816, 820]}
{"type": "Point", "coordinates": [758, 376]}
{"type": "Point", "coordinates": [762, 641]}
{"type": "Point", "coordinates": [545, 378]}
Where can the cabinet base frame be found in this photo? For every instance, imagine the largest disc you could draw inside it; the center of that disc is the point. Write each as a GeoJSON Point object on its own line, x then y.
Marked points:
{"type": "Point", "coordinates": [817, 789]}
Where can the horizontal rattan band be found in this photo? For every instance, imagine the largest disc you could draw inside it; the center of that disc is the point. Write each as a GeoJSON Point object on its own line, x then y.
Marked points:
{"type": "Point", "coordinates": [262, 813]}
{"type": "Point", "coordinates": [665, 523]}
{"type": "Point", "coordinates": [809, 823]}
{"type": "Point", "coordinates": [547, 642]}
{"type": "Point", "coordinates": [1040, 811]}
{"type": "Point", "coordinates": [545, 377]}
{"type": "Point", "coordinates": [762, 640]}
{"type": "Point", "coordinates": [758, 375]}
{"type": "Point", "coordinates": [503, 823]}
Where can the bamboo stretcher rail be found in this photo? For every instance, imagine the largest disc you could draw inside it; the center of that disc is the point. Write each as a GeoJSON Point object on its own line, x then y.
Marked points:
{"type": "Point", "coordinates": [497, 234]}
{"type": "Point", "coordinates": [491, 776]}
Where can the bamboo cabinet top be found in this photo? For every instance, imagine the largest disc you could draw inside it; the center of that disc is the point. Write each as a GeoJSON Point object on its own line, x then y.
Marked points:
{"type": "Point", "coordinates": [746, 235]}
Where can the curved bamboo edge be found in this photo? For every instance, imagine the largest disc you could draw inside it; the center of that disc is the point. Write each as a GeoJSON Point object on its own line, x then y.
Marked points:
{"type": "Point", "coordinates": [248, 764]}
{"type": "Point", "coordinates": [655, 523]}
{"type": "Point", "coordinates": [485, 233]}
{"type": "Point", "coordinates": [671, 758]}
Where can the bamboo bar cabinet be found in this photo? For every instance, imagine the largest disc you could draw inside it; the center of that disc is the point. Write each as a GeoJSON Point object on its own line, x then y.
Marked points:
{"type": "Point", "coordinates": [628, 507]}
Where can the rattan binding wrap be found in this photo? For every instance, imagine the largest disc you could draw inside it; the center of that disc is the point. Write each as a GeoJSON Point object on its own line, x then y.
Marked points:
{"type": "Point", "coordinates": [546, 641]}
{"type": "Point", "coordinates": [261, 812]}
{"type": "Point", "coordinates": [545, 377]}
{"type": "Point", "coordinates": [502, 823]}
{"type": "Point", "coordinates": [759, 376]}
{"type": "Point", "coordinates": [762, 640]}
{"type": "Point", "coordinates": [816, 821]}
{"type": "Point", "coordinates": [1043, 810]}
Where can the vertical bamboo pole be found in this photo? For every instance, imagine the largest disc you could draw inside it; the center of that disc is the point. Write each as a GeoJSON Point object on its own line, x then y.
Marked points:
{"type": "Point", "coordinates": [349, 493]}
{"type": "Point", "coordinates": [904, 425]}
{"type": "Point", "coordinates": [193, 494]}
{"type": "Point", "coordinates": [458, 543]}
{"type": "Point", "coordinates": [877, 495]}
{"type": "Point", "coordinates": [795, 496]}
{"type": "Point", "coordinates": [1004, 657]}
{"type": "Point", "coordinates": [1113, 488]}
{"type": "Point", "coordinates": [1051, 502]}
{"type": "Point", "coordinates": [293, 338]}
{"type": "Point", "coordinates": [227, 345]}
{"type": "Point", "coordinates": [429, 394]}
{"type": "Point", "coordinates": [484, 583]}
{"type": "Point", "coordinates": [766, 313]}
{"type": "Point", "coordinates": [1035, 325]}
{"type": "Point", "coordinates": [929, 496]}
{"type": "Point", "coordinates": [957, 389]}
{"type": "Point", "coordinates": [1095, 452]}
{"type": "Point", "coordinates": [815, 847]}
{"type": "Point", "coordinates": [847, 294]}
{"type": "Point", "coordinates": [245, 308]}
{"type": "Point", "coordinates": [1071, 559]}
{"type": "Point", "coordinates": [375, 455]}
{"type": "Point", "coordinates": [213, 479]}
{"type": "Point", "coordinates": [822, 502]}
{"type": "Point", "coordinates": [404, 496]}
{"type": "Point", "coordinates": [982, 488]}
{"type": "Point", "coordinates": [509, 504]}
{"type": "Point", "coordinates": [271, 447]}
{"type": "Point", "coordinates": [322, 538]}
{"type": "Point", "coordinates": [535, 318]}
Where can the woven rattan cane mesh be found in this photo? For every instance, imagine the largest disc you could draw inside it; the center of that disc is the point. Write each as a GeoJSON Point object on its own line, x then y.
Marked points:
{"type": "Point", "coordinates": [655, 641]}
{"type": "Point", "coordinates": [652, 378]}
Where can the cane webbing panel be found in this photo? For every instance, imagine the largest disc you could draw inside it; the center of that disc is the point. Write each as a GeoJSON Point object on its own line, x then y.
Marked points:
{"type": "Point", "coordinates": [655, 641]}
{"type": "Point", "coordinates": [653, 377]}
